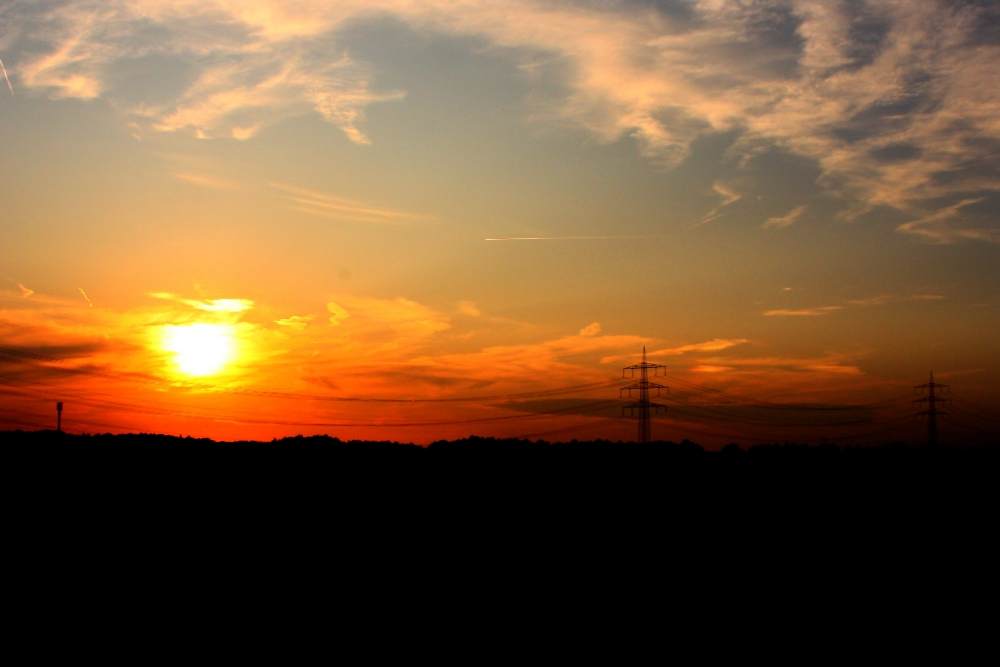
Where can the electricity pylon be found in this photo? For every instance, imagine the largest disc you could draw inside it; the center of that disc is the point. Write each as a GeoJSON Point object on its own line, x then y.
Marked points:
{"type": "Point", "coordinates": [932, 412]}
{"type": "Point", "coordinates": [643, 386]}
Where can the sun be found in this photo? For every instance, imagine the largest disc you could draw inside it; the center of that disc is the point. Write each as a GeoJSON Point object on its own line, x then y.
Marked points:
{"type": "Point", "coordinates": [200, 349]}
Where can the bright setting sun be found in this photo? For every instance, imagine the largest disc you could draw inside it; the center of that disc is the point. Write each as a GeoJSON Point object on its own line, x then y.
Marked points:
{"type": "Point", "coordinates": [200, 349]}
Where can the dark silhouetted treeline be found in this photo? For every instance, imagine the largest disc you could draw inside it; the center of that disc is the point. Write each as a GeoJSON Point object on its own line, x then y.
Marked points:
{"type": "Point", "coordinates": [486, 506]}
{"type": "Point", "coordinates": [481, 466]}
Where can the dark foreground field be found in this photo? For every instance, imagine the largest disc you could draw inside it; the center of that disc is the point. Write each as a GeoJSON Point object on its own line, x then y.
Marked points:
{"type": "Point", "coordinates": [489, 516]}
{"type": "Point", "coordinates": [501, 472]}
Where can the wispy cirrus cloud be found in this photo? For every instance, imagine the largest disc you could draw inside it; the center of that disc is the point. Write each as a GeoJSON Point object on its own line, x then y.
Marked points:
{"type": "Point", "coordinates": [6, 78]}
{"type": "Point", "coordinates": [208, 305]}
{"type": "Point", "coordinates": [880, 300]}
{"type": "Point", "coordinates": [803, 312]}
{"type": "Point", "coordinates": [938, 227]}
{"type": "Point", "coordinates": [893, 100]}
{"type": "Point", "coordinates": [729, 197]}
{"type": "Point", "coordinates": [25, 292]}
{"type": "Point", "coordinates": [785, 220]}
{"type": "Point", "coordinates": [835, 364]}
{"type": "Point", "coordinates": [206, 181]}
{"type": "Point", "coordinates": [871, 301]}
{"type": "Point", "coordinates": [342, 208]}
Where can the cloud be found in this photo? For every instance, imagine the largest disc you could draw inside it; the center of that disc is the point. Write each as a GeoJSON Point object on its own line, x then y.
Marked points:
{"type": "Point", "coordinates": [708, 346]}
{"type": "Point", "coordinates": [873, 301]}
{"type": "Point", "coordinates": [6, 78]}
{"type": "Point", "coordinates": [804, 312]}
{"type": "Point", "coordinates": [208, 305]}
{"type": "Point", "coordinates": [936, 228]}
{"type": "Point", "coordinates": [880, 300]}
{"type": "Point", "coordinates": [591, 329]}
{"type": "Point", "coordinates": [835, 364]}
{"type": "Point", "coordinates": [707, 368]}
{"type": "Point", "coordinates": [893, 100]}
{"type": "Point", "coordinates": [729, 197]}
{"type": "Point", "coordinates": [337, 314]}
{"type": "Point", "coordinates": [297, 322]}
{"type": "Point", "coordinates": [387, 349]}
{"type": "Point", "coordinates": [469, 308]}
{"type": "Point", "coordinates": [206, 181]}
{"type": "Point", "coordinates": [381, 320]}
{"type": "Point", "coordinates": [229, 69]}
{"type": "Point", "coordinates": [784, 221]}
{"type": "Point", "coordinates": [342, 208]}
{"type": "Point", "coordinates": [25, 292]}
{"type": "Point", "coordinates": [514, 362]}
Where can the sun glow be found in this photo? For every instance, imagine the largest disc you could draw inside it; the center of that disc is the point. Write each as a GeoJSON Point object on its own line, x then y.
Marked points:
{"type": "Point", "coordinates": [200, 349]}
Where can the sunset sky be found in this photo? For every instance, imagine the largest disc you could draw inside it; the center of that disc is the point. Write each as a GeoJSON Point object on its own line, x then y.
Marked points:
{"type": "Point", "coordinates": [256, 218]}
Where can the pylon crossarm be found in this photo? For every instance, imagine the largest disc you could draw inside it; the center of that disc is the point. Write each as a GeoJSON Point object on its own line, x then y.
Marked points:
{"type": "Point", "coordinates": [650, 385]}
{"type": "Point", "coordinates": [932, 385]}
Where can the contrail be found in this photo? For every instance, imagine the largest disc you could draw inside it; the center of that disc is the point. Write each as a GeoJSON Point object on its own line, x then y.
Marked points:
{"type": "Point", "coordinates": [85, 297]}
{"type": "Point", "coordinates": [6, 79]}
{"type": "Point", "coordinates": [568, 238]}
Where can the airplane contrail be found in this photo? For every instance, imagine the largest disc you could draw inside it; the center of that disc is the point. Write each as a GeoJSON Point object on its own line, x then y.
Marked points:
{"type": "Point", "coordinates": [6, 79]}
{"type": "Point", "coordinates": [567, 238]}
{"type": "Point", "coordinates": [85, 297]}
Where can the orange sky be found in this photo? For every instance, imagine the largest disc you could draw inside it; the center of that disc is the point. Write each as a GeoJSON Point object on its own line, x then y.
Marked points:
{"type": "Point", "coordinates": [258, 219]}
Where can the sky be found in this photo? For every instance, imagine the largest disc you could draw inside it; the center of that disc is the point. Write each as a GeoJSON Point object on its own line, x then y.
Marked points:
{"type": "Point", "coordinates": [425, 219]}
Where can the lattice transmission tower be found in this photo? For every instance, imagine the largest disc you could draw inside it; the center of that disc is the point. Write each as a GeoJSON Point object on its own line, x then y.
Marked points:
{"type": "Point", "coordinates": [931, 400]}
{"type": "Point", "coordinates": [643, 386]}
